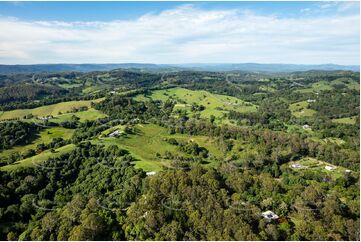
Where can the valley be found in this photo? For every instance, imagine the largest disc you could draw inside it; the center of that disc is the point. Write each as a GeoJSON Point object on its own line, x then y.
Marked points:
{"type": "Point", "coordinates": [189, 149]}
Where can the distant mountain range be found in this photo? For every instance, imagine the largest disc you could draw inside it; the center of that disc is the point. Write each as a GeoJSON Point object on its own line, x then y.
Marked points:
{"type": "Point", "coordinates": [253, 67]}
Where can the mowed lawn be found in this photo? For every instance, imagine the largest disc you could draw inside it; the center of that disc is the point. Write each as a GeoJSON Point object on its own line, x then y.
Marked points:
{"type": "Point", "coordinates": [318, 166]}
{"type": "Point", "coordinates": [348, 120]}
{"type": "Point", "coordinates": [214, 104]}
{"type": "Point", "coordinates": [317, 87]}
{"type": "Point", "coordinates": [90, 114]}
{"type": "Point", "coordinates": [53, 109]}
{"type": "Point", "coordinates": [150, 140]}
{"type": "Point", "coordinates": [351, 84]}
{"type": "Point", "coordinates": [45, 137]}
{"type": "Point", "coordinates": [300, 109]}
{"type": "Point", "coordinates": [325, 86]}
{"type": "Point", "coordinates": [38, 159]}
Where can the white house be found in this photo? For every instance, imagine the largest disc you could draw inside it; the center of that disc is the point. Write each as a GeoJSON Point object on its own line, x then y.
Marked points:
{"type": "Point", "coordinates": [330, 168]}
{"type": "Point", "coordinates": [45, 118]}
{"type": "Point", "coordinates": [115, 133]}
{"type": "Point", "coordinates": [348, 171]}
{"type": "Point", "coordinates": [306, 126]}
{"type": "Point", "coordinates": [151, 173]}
{"type": "Point", "coordinates": [296, 166]}
{"type": "Point", "coordinates": [269, 215]}
{"type": "Point", "coordinates": [311, 100]}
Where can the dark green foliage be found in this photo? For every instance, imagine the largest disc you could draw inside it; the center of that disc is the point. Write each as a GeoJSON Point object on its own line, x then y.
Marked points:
{"type": "Point", "coordinates": [28, 92]}
{"type": "Point", "coordinates": [15, 133]}
{"type": "Point", "coordinates": [95, 193]}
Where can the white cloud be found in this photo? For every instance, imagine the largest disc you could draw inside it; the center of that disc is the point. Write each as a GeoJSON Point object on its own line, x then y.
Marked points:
{"type": "Point", "coordinates": [184, 35]}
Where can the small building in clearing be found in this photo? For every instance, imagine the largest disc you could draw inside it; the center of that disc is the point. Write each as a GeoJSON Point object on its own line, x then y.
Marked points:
{"type": "Point", "coordinates": [306, 126]}
{"type": "Point", "coordinates": [330, 168]}
{"type": "Point", "coordinates": [311, 100]}
{"type": "Point", "coordinates": [296, 166]}
{"type": "Point", "coordinates": [150, 173]}
{"type": "Point", "coordinates": [115, 133]}
{"type": "Point", "coordinates": [269, 215]}
{"type": "Point", "coordinates": [46, 118]}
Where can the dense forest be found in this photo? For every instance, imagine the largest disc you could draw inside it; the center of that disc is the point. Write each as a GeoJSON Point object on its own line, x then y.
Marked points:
{"type": "Point", "coordinates": [180, 155]}
{"type": "Point", "coordinates": [15, 133]}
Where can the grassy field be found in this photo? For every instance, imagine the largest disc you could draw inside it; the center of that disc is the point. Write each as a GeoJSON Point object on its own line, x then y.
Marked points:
{"type": "Point", "coordinates": [348, 120]}
{"type": "Point", "coordinates": [316, 87]}
{"type": "Point", "coordinates": [268, 88]}
{"type": "Point", "coordinates": [37, 159]}
{"type": "Point", "coordinates": [70, 85]}
{"type": "Point", "coordinates": [324, 85]}
{"type": "Point", "coordinates": [149, 140]}
{"type": "Point", "coordinates": [45, 137]}
{"type": "Point", "coordinates": [293, 128]}
{"type": "Point", "coordinates": [90, 114]}
{"type": "Point", "coordinates": [216, 105]}
{"type": "Point", "coordinates": [348, 82]}
{"type": "Point", "coordinates": [313, 164]}
{"type": "Point", "coordinates": [300, 109]}
{"type": "Point", "coordinates": [92, 89]}
{"type": "Point", "coordinates": [53, 109]}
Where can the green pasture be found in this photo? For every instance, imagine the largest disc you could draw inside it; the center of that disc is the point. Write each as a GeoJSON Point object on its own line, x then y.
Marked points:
{"type": "Point", "coordinates": [313, 164]}
{"type": "Point", "coordinates": [90, 114]}
{"type": "Point", "coordinates": [45, 136]}
{"type": "Point", "coordinates": [149, 140]}
{"type": "Point", "coordinates": [214, 104]}
{"type": "Point", "coordinates": [347, 120]}
{"type": "Point", "coordinates": [53, 109]}
{"type": "Point", "coordinates": [300, 109]}
{"type": "Point", "coordinates": [316, 87]}
{"type": "Point", "coordinates": [37, 159]}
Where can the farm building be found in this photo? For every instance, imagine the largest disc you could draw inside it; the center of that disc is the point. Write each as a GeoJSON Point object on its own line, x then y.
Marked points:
{"type": "Point", "coordinates": [306, 126]}
{"type": "Point", "coordinates": [46, 118]}
{"type": "Point", "coordinates": [296, 166]}
{"type": "Point", "coordinates": [330, 168]}
{"type": "Point", "coordinates": [115, 133]}
{"type": "Point", "coordinates": [151, 173]}
{"type": "Point", "coordinates": [269, 215]}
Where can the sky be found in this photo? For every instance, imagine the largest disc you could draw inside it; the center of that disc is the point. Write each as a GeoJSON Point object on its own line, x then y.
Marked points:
{"type": "Point", "coordinates": [180, 32]}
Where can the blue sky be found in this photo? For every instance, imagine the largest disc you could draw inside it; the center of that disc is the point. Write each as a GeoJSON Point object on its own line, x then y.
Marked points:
{"type": "Point", "coordinates": [179, 32]}
{"type": "Point", "coordinates": [108, 11]}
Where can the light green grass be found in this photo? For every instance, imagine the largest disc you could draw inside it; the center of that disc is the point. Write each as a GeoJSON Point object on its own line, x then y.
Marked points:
{"type": "Point", "coordinates": [45, 136]}
{"type": "Point", "coordinates": [348, 120]}
{"type": "Point", "coordinates": [215, 104]}
{"type": "Point", "coordinates": [300, 109]}
{"type": "Point", "coordinates": [93, 89]}
{"type": "Point", "coordinates": [325, 86]}
{"type": "Point", "coordinates": [337, 141]}
{"type": "Point", "coordinates": [53, 109]}
{"type": "Point", "coordinates": [267, 89]}
{"type": "Point", "coordinates": [37, 159]}
{"type": "Point", "coordinates": [119, 127]}
{"type": "Point", "coordinates": [316, 87]}
{"type": "Point", "coordinates": [348, 82]}
{"type": "Point", "coordinates": [319, 166]}
{"type": "Point", "coordinates": [70, 85]}
{"type": "Point", "coordinates": [149, 140]}
{"type": "Point", "coordinates": [334, 140]}
{"type": "Point", "coordinates": [293, 128]}
{"type": "Point", "coordinates": [90, 114]}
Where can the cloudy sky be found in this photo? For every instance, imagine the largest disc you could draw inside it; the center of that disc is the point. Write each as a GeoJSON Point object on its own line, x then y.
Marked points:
{"type": "Point", "coordinates": [180, 32]}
